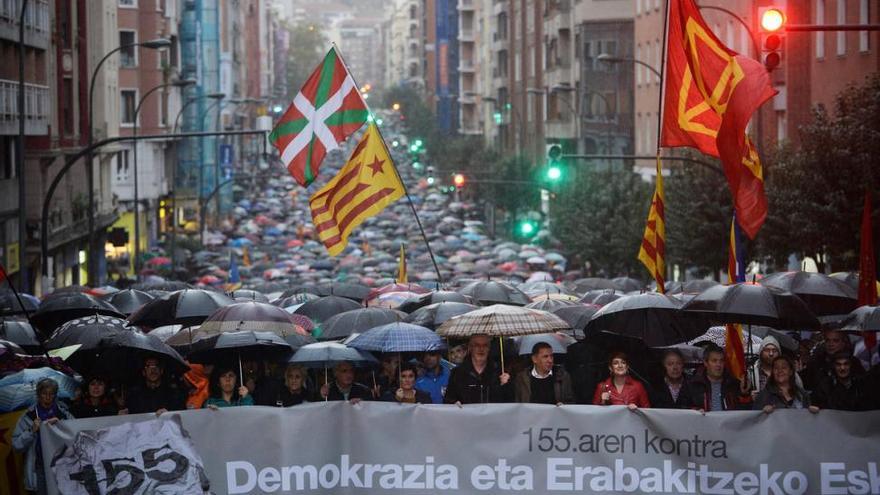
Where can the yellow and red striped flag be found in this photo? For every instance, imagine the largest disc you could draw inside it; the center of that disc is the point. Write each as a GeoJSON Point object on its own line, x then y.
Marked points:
{"type": "Point", "coordinates": [734, 351]}
{"type": "Point", "coordinates": [401, 266]}
{"type": "Point", "coordinates": [364, 187]}
{"type": "Point", "coordinates": [652, 254]}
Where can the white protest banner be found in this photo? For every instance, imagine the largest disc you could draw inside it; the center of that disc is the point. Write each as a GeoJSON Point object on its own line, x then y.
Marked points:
{"type": "Point", "coordinates": [342, 448]}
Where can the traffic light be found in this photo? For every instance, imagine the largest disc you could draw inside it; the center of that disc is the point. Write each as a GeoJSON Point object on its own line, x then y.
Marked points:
{"type": "Point", "coordinates": [554, 162]}
{"type": "Point", "coordinates": [527, 228]}
{"type": "Point", "coordinates": [554, 153]}
{"type": "Point", "coordinates": [429, 170]}
{"type": "Point", "coordinates": [772, 30]}
{"type": "Point", "coordinates": [458, 180]}
{"type": "Point", "coordinates": [554, 172]}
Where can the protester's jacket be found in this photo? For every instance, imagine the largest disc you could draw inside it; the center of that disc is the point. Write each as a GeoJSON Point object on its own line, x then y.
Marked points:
{"type": "Point", "coordinates": [562, 388]}
{"type": "Point", "coordinates": [821, 365]}
{"type": "Point", "coordinates": [421, 397]}
{"type": "Point", "coordinates": [772, 396]}
{"type": "Point", "coordinates": [434, 383]}
{"type": "Point", "coordinates": [198, 381]}
{"type": "Point", "coordinates": [633, 393]}
{"type": "Point", "coordinates": [661, 397]}
{"type": "Point", "coordinates": [85, 409]}
{"type": "Point", "coordinates": [832, 394]}
{"type": "Point", "coordinates": [731, 398]}
{"type": "Point", "coordinates": [247, 400]}
{"type": "Point", "coordinates": [285, 398]}
{"type": "Point", "coordinates": [24, 439]}
{"type": "Point", "coordinates": [142, 399]}
{"type": "Point", "coordinates": [358, 391]}
{"type": "Point", "coordinates": [469, 387]}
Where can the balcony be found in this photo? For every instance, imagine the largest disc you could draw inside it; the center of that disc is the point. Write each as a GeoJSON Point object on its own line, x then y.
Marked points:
{"type": "Point", "coordinates": [36, 108]}
{"type": "Point", "coordinates": [466, 35]}
{"type": "Point", "coordinates": [467, 98]}
{"type": "Point", "coordinates": [466, 66]}
{"type": "Point", "coordinates": [36, 22]}
{"type": "Point", "coordinates": [466, 5]}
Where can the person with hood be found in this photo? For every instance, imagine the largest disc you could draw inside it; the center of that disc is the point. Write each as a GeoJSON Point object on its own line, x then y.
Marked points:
{"type": "Point", "coordinates": [26, 437]}
{"type": "Point", "coordinates": [675, 390]}
{"type": "Point", "coordinates": [477, 380]}
{"type": "Point", "coordinates": [714, 389]}
{"type": "Point", "coordinates": [226, 391]}
{"type": "Point", "coordinates": [782, 391]}
{"type": "Point", "coordinates": [198, 380]}
{"type": "Point", "coordinates": [620, 389]}
{"type": "Point", "coordinates": [543, 383]}
{"type": "Point", "coordinates": [95, 401]}
{"type": "Point", "coordinates": [842, 391]}
{"type": "Point", "coordinates": [407, 393]}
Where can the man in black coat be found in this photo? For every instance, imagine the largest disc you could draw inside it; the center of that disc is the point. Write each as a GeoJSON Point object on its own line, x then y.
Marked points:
{"type": "Point", "coordinates": [842, 391]}
{"type": "Point", "coordinates": [821, 363]}
{"type": "Point", "coordinates": [477, 380]}
{"type": "Point", "coordinates": [674, 391]}
{"type": "Point", "coordinates": [344, 387]}
{"type": "Point", "coordinates": [155, 394]}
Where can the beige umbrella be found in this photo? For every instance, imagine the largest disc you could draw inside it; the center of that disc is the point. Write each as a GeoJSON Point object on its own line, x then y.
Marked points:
{"type": "Point", "coordinates": [501, 320]}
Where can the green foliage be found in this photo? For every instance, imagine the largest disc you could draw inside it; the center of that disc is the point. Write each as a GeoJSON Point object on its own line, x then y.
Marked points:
{"type": "Point", "coordinates": [600, 217]}
{"type": "Point", "coordinates": [308, 46]}
{"type": "Point", "coordinates": [816, 191]}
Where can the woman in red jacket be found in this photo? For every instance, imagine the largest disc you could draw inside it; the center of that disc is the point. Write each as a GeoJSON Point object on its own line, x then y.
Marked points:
{"type": "Point", "coordinates": [620, 389]}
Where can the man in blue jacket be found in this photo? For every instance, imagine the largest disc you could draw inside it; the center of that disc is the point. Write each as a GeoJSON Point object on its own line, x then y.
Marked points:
{"type": "Point", "coordinates": [435, 377]}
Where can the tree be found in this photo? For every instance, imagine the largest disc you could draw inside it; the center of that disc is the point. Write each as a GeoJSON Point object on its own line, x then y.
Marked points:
{"type": "Point", "coordinates": [307, 49]}
{"type": "Point", "coordinates": [816, 192]}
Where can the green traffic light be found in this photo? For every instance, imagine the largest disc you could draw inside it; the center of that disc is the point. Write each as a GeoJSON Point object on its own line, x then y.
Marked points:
{"type": "Point", "coordinates": [414, 148]}
{"type": "Point", "coordinates": [554, 173]}
{"type": "Point", "coordinates": [418, 143]}
{"type": "Point", "coordinates": [526, 229]}
{"type": "Point", "coordinates": [417, 165]}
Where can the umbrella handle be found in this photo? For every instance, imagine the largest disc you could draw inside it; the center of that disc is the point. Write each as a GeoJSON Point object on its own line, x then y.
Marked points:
{"type": "Point", "coordinates": [501, 347]}
{"type": "Point", "coordinates": [240, 374]}
{"type": "Point", "coordinates": [326, 382]}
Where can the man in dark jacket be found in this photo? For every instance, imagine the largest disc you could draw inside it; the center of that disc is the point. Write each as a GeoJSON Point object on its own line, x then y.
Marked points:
{"type": "Point", "coordinates": [542, 383]}
{"type": "Point", "coordinates": [714, 389]}
{"type": "Point", "coordinates": [842, 391]}
{"type": "Point", "coordinates": [674, 392]}
{"type": "Point", "coordinates": [477, 380]}
{"type": "Point", "coordinates": [821, 363]}
{"type": "Point", "coordinates": [344, 387]}
{"type": "Point", "coordinates": [155, 394]}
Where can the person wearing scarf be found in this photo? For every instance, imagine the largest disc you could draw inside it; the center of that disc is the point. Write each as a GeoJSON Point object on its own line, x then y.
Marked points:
{"type": "Point", "coordinates": [26, 437]}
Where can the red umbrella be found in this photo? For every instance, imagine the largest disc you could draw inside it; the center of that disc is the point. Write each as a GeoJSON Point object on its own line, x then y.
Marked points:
{"type": "Point", "coordinates": [294, 243]}
{"type": "Point", "coordinates": [209, 280]}
{"type": "Point", "coordinates": [159, 260]}
{"type": "Point", "coordinates": [418, 289]}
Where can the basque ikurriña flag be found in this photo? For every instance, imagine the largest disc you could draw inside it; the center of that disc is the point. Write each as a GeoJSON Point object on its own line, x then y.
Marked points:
{"type": "Point", "coordinates": [328, 108]}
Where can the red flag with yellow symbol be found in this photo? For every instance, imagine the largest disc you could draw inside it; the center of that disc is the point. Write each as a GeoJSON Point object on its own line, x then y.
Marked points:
{"type": "Point", "coordinates": [710, 95]}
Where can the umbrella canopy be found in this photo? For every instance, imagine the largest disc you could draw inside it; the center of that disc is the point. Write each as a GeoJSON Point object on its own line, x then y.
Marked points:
{"type": "Point", "coordinates": [824, 295]}
{"type": "Point", "coordinates": [655, 319]}
{"type": "Point", "coordinates": [129, 300]}
{"type": "Point", "coordinates": [583, 285]}
{"type": "Point", "coordinates": [753, 304]}
{"type": "Point", "coordinates": [296, 341]}
{"type": "Point", "coordinates": [577, 317]}
{"type": "Point", "coordinates": [627, 284]}
{"type": "Point", "coordinates": [168, 286]}
{"type": "Point", "coordinates": [184, 307]}
{"type": "Point", "coordinates": [58, 309]}
{"type": "Point", "coordinates": [543, 287]}
{"type": "Point", "coordinates": [558, 341]}
{"type": "Point", "coordinates": [601, 297]}
{"type": "Point", "coordinates": [294, 299]}
{"type": "Point", "coordinates": [320, 310]}
{"type": "Point", "coordinates": [398, 337]}
{"type": "Point", "coordinates": [19, 390]}
{"type": "Point", "coordinates": [435, 297]}
{"type": "Point", "coordinates": [329, 354]}
{"type": "Point", "coordinates": [7, 347]}
{"type": "Point", "coordinates": [718, 336]}
{"type": "Point", "coordinates": [9, 304]}
{"type": "Point", "coordinates": [501, 320]}
{"type": "Point", "coordinates": [433, 315]}
{"type": "Point", "coordinates": [551, 304]}
{"type": "Point", "coordinates": [488, 292]}
{"type": "Point", "coordinates": [226, 347]}
{"type": "Point", "coordinates": [862, 319]}
{"type": "Point", "coordinates": [250, 315]}
{"type": "Point", "coordinates": [696, 286]}
{"type": "Point", "coordinates": [355, 292]}
{"type": "Point", "coordinates": [248, 295]}
{"type": "Point", "coordinates": [21, 333]}
{"type": "Point", "coordinates": [357, 321]}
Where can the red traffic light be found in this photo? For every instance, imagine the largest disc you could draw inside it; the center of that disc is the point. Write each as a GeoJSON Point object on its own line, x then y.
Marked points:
{"type": "Point", "coordinates": [458, 180]}
{"type": "Point", "coordinates": [772, 20]}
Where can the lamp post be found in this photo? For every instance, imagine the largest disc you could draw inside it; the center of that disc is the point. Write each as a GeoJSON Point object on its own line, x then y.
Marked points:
{"type": "Point", "coordinates": [137, 224]}
{"type": "Point", "coordinates": [610, 59]}
{"type": "Point", "coordinates": [152, 45]}
{"type": "Point", "coordinates": [24, 280]}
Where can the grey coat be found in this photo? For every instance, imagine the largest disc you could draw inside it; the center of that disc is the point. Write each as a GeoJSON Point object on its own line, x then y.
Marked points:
{"type": "Point", "coordinates": [25, 440]}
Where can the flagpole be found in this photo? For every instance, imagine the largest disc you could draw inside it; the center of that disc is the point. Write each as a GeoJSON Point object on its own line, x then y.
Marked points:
{"type": "Point", "coordinates": [660, 113]}
{"type": "Point", "coordinates": [394, 167]}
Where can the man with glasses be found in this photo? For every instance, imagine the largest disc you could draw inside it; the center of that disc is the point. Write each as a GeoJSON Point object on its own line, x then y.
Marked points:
{"type": "Point", "coordinates": [343, 386]}
{"type": "Point", "coordinates": [154, 394]}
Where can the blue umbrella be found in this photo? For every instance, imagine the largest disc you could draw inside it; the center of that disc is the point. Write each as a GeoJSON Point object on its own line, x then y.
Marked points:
{"type": "Point", "coordinates": [19, 390]}
{"type": "Point", "coordinates": [398, 337]}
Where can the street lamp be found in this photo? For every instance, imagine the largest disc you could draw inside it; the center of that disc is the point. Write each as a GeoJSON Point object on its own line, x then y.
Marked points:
{"type": "Point", "coordinates": [137, 224]}
{"type": "Point", "coordinates": [610, 59]}
{"type": "Point", "coordinates": [152, 45]}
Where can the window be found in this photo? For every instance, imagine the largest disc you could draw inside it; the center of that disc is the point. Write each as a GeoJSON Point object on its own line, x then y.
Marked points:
{"type": "Point", "coordinates": [864, 15]}
{"type": "Point", "coordinates": [7, 158]}
{"type": "Point", "coordinates": [163, 108]}
{"type": "Point", "coordinates": [66, 104]}
{"type": "Point", "coordinates": [638, 7]}
{"type": "Point", "coordinates": [658, 56]}
{"type": "Point", "coordinates": [841, 35]}
{"type": "Point", "coordinates": [820, 36]}
{"type": "Point", "coordinates": [639, 66]}
{"type": "Point", "coordinates": [588, 55]}
{"type": "Point", "coordinates": [128, 55]}
{"type": "Point", "coordinates": [127, 106]}
{"type": "Point", "coordinates": [122, 166]}
{"type": "Point", "coordinates": [128, 3]}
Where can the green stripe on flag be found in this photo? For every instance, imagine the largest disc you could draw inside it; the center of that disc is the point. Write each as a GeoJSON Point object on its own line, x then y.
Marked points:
{"type": "Point", "coordinates": [356, 116]}
{"type": "Point", "coordinates": [307, 169]}
{"type": "Point", "coordinates": [326, 79]}
{"type": "Point", "coordinates": [290, 127]}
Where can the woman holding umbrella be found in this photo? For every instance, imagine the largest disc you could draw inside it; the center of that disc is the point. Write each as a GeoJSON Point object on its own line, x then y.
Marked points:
{"type": "Point", "coordinates": [407, 393]}
{"type": "Point", "coordinates": [26, 437]}
{"type": "Point", "coordinates": [620, 389]}
{"type": "Point", "coordinates": [226, 391]}
{"type": "Point", "coordinates": [782, 390]}
{"type": "Point", "coordinates": [95, 401]}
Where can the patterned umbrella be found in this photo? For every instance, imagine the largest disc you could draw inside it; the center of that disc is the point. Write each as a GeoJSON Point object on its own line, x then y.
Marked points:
{"type": "Point", "coordinates": [58, 309]}
{"type": "Point", "coordinates": [251, 315]}
{"type": "Point", "coordinates": [398, 337]}
{"type": "Point", "coordinates": [501, 320]}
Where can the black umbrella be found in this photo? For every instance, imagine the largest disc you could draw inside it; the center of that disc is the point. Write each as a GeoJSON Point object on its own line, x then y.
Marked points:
{"type": "Point", "coordinates": [295, 299]}
{"type": "Point", "coordinates": [358, 321]}
{"type": "Point", "coordinates": [862, 319]}
{"type": "Point", "coordinates": [58, 309]}
{"type": "Point", "coordinates": [655, 319]}
{"type": "Point", "coordinates": [184, 307]}
{"type": "Point", "coordinates": [489, 292]}
{"type": "Point", "coordinates": [168, 286]}
{"type": "Point", "coordinates": [108, 345]}
{"type": "Point", "coordinates": [696, 286]}
{"type": "Point", "coordinates": [753, 304]}
{"type": "Point", "coordinates": [21, 333]}
{"type": "Point", "coordinates": [551, 304]}
{"type": "Point", "coordinates": [543, 287]}
{"type": "Point", "coordinates": [320, 310]}
{"type": "Point", "coordinates": [583, 285]}
{"type": "Point", "coordinates": [10, 305]}
{"type": "Point", "coordinates": [355, 292]}
{"type": "Point", "coordinates": [435, 297]}
{"type": "Point", "coordinates": [600, 297]}
{"type": "Point", "coordinates": [248, 295]}
{"type": "Point", "coordinates": [824, 295]}
{"type": "Point", "coordinates": [300, 289]}
{"type": "Point", "coordinates": [627, 284]}
{"type": "Point", "coordinates": [231, 346]}
{"type": "Point", "coordinates": [296, 340]}
{"type": "Point", "coordinates": [577, 317]}
{"type": "Point", "coordinates": [129, 300]}
{"type": "Point", "coordinates": [433, 315]}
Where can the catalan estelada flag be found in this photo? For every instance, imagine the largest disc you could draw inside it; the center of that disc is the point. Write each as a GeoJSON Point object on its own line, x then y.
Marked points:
{"type": "Point", "coordinates": [734, 353]}
{"type": "Point", "coordinates": [652, 254]}
{"type": "Point", "coordinates": [401, 266]}
{"type": "Point", "coordinates": [710, 94]}
{"type": "Point", "coordinates": [328, 108]}
{"type": "Point", "coordinates": [364, 187]}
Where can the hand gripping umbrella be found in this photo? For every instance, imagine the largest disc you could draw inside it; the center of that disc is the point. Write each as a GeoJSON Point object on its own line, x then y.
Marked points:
{"type": "Point", "coordinates": [328, 354]}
